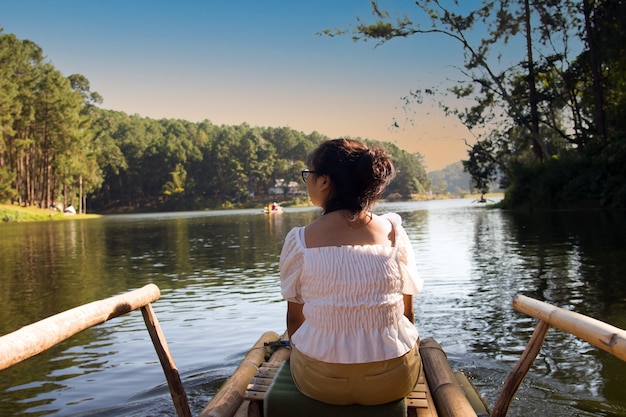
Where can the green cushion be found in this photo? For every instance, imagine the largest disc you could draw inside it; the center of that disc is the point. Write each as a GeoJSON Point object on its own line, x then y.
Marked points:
{"type": "Point", "coordinates": [284, 399]}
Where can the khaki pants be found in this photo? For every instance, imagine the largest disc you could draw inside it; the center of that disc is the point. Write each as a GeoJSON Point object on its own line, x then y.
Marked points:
{"type": "Point", "coordinates": [370, 383]}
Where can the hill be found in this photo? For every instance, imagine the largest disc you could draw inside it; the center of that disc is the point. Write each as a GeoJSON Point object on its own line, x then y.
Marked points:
{"type": "Point", "coordinates": [454, 180]}
{"type": "Point", "coordinates": [451, 180]}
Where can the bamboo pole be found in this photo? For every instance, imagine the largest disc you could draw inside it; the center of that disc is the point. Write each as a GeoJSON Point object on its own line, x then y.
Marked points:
{"type": "Point", "coordinates": [517, 375]}
{"type": "Point", "coordinates": [602, 335]}
{"type": "Point", "coordinates": [177, 390]}
{"type": "Point", "coordinates": [471, 393]}
{"type": "Point", "coordinates": [37, 337]}
{"type": "Point", "coordinates": [448, 395]}
{"type": "Point", "coordinates": [596, 332]}
{"type": "Point", "coordinates": [252, 408]}
{"type": "Point", "coordinates": [228, 399]}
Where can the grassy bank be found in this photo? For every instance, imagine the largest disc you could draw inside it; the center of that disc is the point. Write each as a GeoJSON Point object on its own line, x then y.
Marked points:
{"type": "Point", "coordinates": [14, 213]}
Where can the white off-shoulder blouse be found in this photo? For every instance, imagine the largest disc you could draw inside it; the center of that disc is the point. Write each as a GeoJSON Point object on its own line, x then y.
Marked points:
{"type": "Point", "coordinates": [352, 296]}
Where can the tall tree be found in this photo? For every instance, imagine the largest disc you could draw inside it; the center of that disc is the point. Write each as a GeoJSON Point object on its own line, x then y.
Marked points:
{"type": "Point", "coordinates": [591, 35]}
{"type": "Point", "coordinates": [538, 97]}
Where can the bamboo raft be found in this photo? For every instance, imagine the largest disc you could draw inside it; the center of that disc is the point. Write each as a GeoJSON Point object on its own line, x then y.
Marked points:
{"type": "Point", "coordinates": [438, 392]}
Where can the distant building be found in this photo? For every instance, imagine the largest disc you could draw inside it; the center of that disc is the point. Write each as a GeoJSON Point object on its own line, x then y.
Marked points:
{"type": "Point", "coordinates": [293, 188]}
{"type": "Point", "coordinates": [278, 188]}
{"type": "Point", "coordinates": [281, 187]}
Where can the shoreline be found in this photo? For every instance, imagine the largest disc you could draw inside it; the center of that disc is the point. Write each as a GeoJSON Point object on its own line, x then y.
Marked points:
{"type": "Point", "coordinates": [11, 213]}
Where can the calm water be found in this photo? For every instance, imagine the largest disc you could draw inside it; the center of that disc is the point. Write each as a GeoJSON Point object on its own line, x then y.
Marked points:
{"type": "Point", "coordinates": [218, 274]}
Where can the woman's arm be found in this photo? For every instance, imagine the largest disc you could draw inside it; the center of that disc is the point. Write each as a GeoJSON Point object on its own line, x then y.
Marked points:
{"type": "Point", "coordinates": [408, 307]}
{"type": "Point", "coordinates": [295, 318]}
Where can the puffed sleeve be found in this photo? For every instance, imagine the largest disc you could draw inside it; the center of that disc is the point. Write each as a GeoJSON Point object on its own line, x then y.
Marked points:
{"type": "Point", "coordinates": [412, 283]}
{"type": "Point", "coordinates": [291, 262]}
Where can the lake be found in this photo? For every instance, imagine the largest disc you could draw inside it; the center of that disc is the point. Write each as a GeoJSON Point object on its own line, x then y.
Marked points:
{"type": "Point", "coordinates": [218, 275]}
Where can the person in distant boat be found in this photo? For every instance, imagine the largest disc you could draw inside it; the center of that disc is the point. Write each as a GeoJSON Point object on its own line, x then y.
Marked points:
{"type": "Point", "coordinates": [349, 278]}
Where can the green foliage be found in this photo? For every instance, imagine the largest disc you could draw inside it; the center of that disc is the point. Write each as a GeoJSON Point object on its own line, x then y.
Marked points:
{"type": "Point", "coordinates": [547, 116]}
{"type": "Point", "coordinates": [411, 177]}
{"type": "Point", "coordinates": [481, 165]}
{"type": "Point", "coordinates": [177, 184]}
{"type": "Point", "coordinates": [45, 146]}
{"type": "Point", "coordinates": [573, 181]}
{"type": "Point", "coordinates": [57, 145]}
{"type": "Point", "coordinates": [7, 178]}
{"type": "Point", "coordinates": [213, 166]}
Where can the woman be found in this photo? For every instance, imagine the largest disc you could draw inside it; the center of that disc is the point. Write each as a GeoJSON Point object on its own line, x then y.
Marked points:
{"type": "Point", "coordinates": [349, 278]}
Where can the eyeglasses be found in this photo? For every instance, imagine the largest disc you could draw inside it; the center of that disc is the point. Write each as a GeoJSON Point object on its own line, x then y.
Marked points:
{"type": "Point", "coordinates": [306, 172]}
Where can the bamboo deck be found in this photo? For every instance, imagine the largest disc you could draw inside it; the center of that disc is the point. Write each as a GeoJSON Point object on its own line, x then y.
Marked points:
{"type": "Point", "coordinates": [242, 394]}
{"type": "Point", "coordinates": [419, 402]}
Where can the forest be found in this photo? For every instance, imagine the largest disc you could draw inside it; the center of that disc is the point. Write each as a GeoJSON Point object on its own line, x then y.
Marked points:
{"type": "Point", "coordinates": [541, 88]}
{"type": "Point", "coordinates": [58, 147]}
{"type": "Point", "coordinates": [549, 127]}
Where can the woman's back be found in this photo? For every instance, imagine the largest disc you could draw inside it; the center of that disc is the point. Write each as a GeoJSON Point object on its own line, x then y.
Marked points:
{"type": "Point", "coordinates": [352, 294]}
{"type": "Point", "coordinates": [349, 279]}
{"type": "Point", "coordinates": [334, 230]}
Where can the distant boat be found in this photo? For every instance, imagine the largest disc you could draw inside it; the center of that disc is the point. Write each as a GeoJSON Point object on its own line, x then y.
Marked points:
{"type": "Point", "coordinates": [482, 199]}
{"type": "Point", "coordinates": [273, 208]}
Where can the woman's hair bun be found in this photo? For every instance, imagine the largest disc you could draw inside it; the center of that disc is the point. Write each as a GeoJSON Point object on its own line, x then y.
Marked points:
{"type": "Point", "coordinates": [359, 173]}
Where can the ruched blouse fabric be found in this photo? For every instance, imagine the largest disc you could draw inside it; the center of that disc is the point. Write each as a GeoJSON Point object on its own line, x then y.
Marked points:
{"type": "Point", "coordinates": [352, 296]}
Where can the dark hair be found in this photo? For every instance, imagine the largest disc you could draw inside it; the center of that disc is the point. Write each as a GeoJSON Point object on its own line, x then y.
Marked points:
{"type": "Point", "coordinates": [359, 174]}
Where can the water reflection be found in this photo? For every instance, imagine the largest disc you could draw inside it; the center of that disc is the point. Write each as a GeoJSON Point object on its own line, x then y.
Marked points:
{"type": "Point", "coordinates": [548, 257]}
{"type": "Point", "coordinates": [475, 261]}
{"type": "Point", "coordinates": [218, 273]}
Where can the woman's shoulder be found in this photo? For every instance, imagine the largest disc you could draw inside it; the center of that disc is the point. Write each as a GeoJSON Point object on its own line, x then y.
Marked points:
{"type": "Point", "coordinates": [398, 229]}
{"type": "Point", "coordinates": [293, 242]}
{"type": "Point", "coordinates": [394, 218]}
{"type": "Point", "coordinates": [294, 236]}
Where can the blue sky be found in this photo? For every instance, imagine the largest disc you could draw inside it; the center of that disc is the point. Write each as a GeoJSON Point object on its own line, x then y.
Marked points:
{"type": "Point", "coordinates": [258, 62]}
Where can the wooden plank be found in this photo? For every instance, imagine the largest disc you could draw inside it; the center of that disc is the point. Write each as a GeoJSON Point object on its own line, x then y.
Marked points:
{"type": "Point", "coordinates": [255, 391]}
{"type": "Point", "coordinates": [254, 395]}
{"type": "Point", "coordinates": [420, 402]}
{"type": "Point", "coordinates": [430, 410]}
{"type": "Point", "coordinates": [420, 390]}
{"type": "Point", "coordinates": [515, 378]}
{"type": "Point", "coordinates": [177, 391]}
{"type": "Point", "coordinates": [253, 400]}
{"type": "Point", "coordinates": [267, 372]}
{"type": "Point", "coordinates": [425, 409]}
{"type": "Point", "coordinates": [257, 387]}
{"type": "Point", "coordinates": [261, 381]}
{"type": "Point", "coordinates": [417, 403]}
{"type": "Point", "coordinates": [416, 395]}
